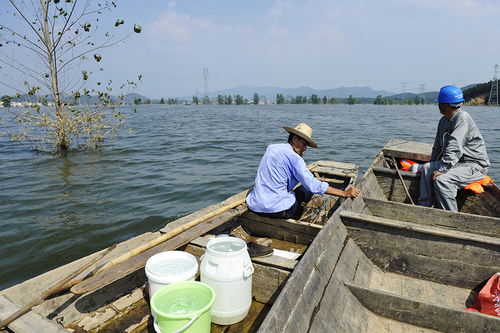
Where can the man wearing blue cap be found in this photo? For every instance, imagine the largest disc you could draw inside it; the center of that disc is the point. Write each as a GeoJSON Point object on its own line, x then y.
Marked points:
{"type": "Point", "coordinates": [458, 155]}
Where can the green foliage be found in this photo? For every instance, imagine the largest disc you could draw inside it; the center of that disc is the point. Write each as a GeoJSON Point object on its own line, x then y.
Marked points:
{"type": "Point", "coordinates": [351, 100]}
{"type": "Point", "coordinates": [280, 99]}
{"type": "Point", "coordinates": [196, 100]}
{"type": "Point", "coordinates": [137, 101]}
{"type": "Point", "coordinates": [256, 99]}
{"type": "Point", "coordinates": [479, 91]}
{"type": "Point", "coordinates": [314, 99]}
{"type": "Point", "coordinates": [325, 100]}
{"type": "Point", "coordinates": [6, 100]}
{"type": "Point", "coordinates": [162, 100]}
{"type": "Point", "coordinates": [238, 99]}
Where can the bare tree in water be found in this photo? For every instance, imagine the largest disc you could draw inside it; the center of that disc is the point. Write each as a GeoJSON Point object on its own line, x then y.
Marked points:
{"type": "Point", "coordinates": [48, 44]}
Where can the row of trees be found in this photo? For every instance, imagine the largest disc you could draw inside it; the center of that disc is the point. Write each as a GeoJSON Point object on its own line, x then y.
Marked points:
{"type": "Point", "coordinates": [281, 99]}
{"type": "Point", "coordinates": [379, 100]}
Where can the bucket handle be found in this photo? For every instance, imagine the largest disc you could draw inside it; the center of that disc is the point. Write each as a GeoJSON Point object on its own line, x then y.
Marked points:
{"type": "Point", "coordinates": [185, 327]}
{"type": "Point", "coordinates": [247, 270]}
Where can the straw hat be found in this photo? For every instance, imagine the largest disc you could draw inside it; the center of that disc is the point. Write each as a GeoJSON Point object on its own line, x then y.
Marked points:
{"type": "Point", "coordinates": [304, 131]}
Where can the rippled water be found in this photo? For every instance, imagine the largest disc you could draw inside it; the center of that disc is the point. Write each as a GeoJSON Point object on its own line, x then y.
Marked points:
{"type": "Point", "coordinates": [178, 159]}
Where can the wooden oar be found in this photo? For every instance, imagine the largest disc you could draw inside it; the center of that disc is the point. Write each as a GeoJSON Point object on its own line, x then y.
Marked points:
{"type": "Point", "coordinates": [53, 289]}
{"type": "Point", "coordinates": [402, 181]}
{"type": "Point", "coordinates": [157, 241]}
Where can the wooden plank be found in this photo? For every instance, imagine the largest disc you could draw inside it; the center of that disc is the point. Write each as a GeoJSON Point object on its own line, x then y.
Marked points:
{"type": "Point", "coordinates": [274, 260]}
{"type": "Point", "coordinates": [344, 173]}
{"type": "Point", "coordinates": [481, 225]}
{"type": "Point", "coordinates": [462, 263]}
{"type": "Point", "coordinates": [139, 261]}
{"type": "Point", "coordinates": [430, 292]}
{"type": "Point", "coordinates": [424, 229]}
{"type": "Point", "coordinates": [301, 297]}
{"type": "Point", "coordinates": [336, 165]}
{"type": "Point", "coordinates": [29, 322]}
{"type": "Point", "coordinates": [370, 188]}
{"type": "Point", "coordinates": [251, 322]}
{"type": "Point", "coordinates": [412, 150]}
{"type": "Point", "coordinates": [290, 230]}
{"type": "Point", "coordinates": [424, 314]}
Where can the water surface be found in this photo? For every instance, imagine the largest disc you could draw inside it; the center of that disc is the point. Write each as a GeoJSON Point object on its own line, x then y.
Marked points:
{"type": "Point", "coordinates": [177, 160]}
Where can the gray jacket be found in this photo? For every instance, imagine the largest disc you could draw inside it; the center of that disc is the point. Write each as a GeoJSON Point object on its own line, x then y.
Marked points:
{"type": "Point", "coordinates": [458, 140]}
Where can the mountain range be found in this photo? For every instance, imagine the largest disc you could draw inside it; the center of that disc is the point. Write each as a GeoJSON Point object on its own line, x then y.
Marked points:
{"type": "Point", "coordinates": [271, 92]}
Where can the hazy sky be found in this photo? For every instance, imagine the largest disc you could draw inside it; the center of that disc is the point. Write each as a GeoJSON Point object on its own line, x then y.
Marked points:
{"type": "Point", "coordinates": [393, 45]}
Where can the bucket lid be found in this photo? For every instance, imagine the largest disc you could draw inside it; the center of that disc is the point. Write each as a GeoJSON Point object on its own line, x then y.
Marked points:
{"type": "Point", "coordinates": [171, 266]}
{"type": "Point", "coordinates": [182, 300]}
{"type": "Point", "coordinates": [226, 246]}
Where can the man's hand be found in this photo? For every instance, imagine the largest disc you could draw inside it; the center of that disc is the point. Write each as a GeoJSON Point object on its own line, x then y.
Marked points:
{"type": "Point", "coordinates": [435, 174]}
{"type": "Point", "coordinates": [351, 192]}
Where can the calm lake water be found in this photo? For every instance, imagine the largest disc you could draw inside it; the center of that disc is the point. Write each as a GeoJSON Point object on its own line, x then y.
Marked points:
{"type": "Point", "coordinates": [177, 160]}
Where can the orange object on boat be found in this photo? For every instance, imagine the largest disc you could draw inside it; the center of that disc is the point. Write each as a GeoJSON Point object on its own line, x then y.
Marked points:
{"type": "Point", "coordinates": [406, 164]}
{"type": "Point", "coordinates": [477, 187]}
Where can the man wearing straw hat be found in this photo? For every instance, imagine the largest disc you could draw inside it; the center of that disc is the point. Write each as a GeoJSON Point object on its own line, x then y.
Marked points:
{"type": "Point", "coordinates": [280, 170]}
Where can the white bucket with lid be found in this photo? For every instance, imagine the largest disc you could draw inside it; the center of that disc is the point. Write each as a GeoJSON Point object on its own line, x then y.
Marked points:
{"type": "Point", "coordinates": [168, 267]}
{"type": "Point", "coordinates": [227, 268]}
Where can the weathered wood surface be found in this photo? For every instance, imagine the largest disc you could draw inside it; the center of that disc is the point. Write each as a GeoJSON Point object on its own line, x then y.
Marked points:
{"type": "Point", "coordinates": [370, 188]}
{"type": "Point", "coordinates": [481, 225]}
{"type": "Point", "coordinates": [423, 229]}
{"type": "Point", "coordinates": [418, 289]}
{"type": "Point", "coordinates": [135, 263]}
{"type": "Point", "coordinates": [486, 203]}
{"type": "Point", "coordinates": [291, 230]}
{"type": "Point", "coordinates": [426, 255]}
{"type": "Point", "coordinates": [308, 281]}
{"type": "Point", "coordinates": [28, 323]}
{"type": "Point", "coordinates": [391, 186]}
{"type": "Point", "coordinates": [406, 309]}
{"type": "Point", "coordinates": [412, 150]}
{"type": "Point", "coordinates": [250, 324]}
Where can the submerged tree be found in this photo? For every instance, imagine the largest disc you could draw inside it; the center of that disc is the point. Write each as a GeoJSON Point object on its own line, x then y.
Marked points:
{"type": "Point", "coordinates": [47, 44]}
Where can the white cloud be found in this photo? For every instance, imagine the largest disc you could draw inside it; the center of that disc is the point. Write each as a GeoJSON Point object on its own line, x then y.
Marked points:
{"type": "Point", "coordinates": [180, 27]}
{"type": "Point", "coordinates": [278, 32]}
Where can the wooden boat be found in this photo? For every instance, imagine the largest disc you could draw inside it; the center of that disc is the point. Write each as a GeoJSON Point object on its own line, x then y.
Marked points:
{"type": "Point", "coordinates": [389, 183]}
{"type": "Point", "coordinates": [116, 299]}
{"type": "Point", "coordinates": [382, 265]}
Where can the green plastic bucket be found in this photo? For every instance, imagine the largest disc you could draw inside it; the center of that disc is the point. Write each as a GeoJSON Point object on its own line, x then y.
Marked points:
{"type": "Point", "coordinates": [184, 307]}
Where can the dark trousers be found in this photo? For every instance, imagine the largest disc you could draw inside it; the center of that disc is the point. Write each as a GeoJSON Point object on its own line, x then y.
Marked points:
{"type": "Point", "coordinates": [294, 212]}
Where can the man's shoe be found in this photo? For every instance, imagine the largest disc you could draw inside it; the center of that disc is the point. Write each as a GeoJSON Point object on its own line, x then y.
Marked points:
{"type": "Point", "coordinates": [257, 250]}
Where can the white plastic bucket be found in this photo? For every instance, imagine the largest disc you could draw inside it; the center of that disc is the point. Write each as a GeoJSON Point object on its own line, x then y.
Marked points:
{"type": "Point", "coordinates": [227, 268]}
{"type": "Point", "coordinates": [168, 267]}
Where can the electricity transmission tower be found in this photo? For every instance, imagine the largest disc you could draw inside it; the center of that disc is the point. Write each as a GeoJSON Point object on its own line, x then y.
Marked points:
{"type": "Point", "coordinates": [403, 86]}
{"type": "Point", "coordinates": [205, 78]}
{"type": "Point", "coordinates": [493, 100]}
{"type": "Point", "coordinates": [421, 88]}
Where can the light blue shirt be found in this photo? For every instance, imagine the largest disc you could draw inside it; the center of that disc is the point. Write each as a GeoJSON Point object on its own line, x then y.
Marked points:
{"type": "Point", "coordinates": [280, 169]}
